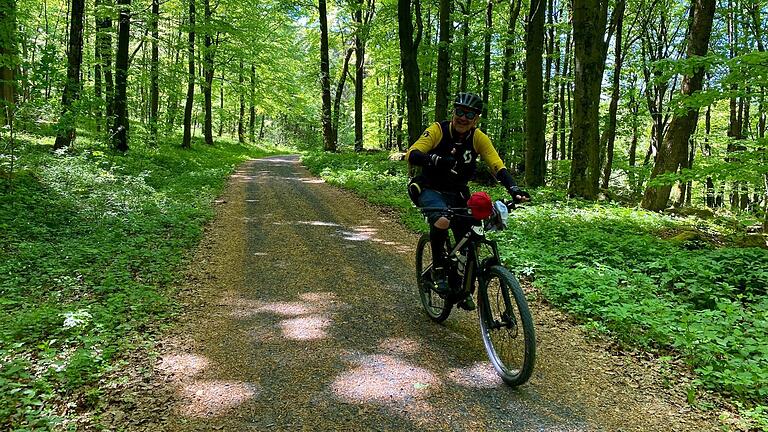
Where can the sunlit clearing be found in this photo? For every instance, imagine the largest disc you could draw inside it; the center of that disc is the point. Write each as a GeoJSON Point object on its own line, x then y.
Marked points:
{"type": "Point", "coordinates": [182, 365]}
{"type": "Point", "coordinates": [384, 379]}
{"type": "Point", "coordinates": [479, 375]}
{"type": "Point", "coordinates": [400, 346]}
{"type": "Point", "coordinates": [305, 328]}
{"type": "Point", "coordinates": [286, 308]}
{"type": "Point", "coordinates": [211, 398]}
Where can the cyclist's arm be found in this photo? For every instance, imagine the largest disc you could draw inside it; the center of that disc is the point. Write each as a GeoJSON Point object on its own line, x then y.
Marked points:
{"type": "Point", "coordinates": [488, 153]}
{"type": "Point", "coordinates": [417, 153]}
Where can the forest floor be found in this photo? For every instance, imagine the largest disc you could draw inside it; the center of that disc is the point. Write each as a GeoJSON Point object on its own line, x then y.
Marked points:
{"type": "Point", "coordinates": [301, 314]}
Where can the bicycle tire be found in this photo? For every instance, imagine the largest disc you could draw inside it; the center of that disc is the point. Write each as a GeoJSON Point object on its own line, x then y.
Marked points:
{"type": "Point", "coordinates": [436, 307]}
{"type": "Point", "coordinates": [500, 330]}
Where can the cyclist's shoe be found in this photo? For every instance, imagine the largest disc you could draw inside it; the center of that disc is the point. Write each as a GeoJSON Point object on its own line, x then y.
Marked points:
{"type": "Point", "coordinates": [441, 281]}
{"type": "Point", "coordinates": [468, 304]}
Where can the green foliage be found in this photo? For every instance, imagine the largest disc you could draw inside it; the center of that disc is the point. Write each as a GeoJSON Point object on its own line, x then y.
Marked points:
{"type": "Point", "coordinates": [90, 244]}
{"type": "Point", "coordinates": [618, 269]}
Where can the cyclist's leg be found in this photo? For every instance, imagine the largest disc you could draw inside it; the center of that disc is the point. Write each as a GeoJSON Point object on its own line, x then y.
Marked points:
{"type": "Point", "coordinates": [438, 232]}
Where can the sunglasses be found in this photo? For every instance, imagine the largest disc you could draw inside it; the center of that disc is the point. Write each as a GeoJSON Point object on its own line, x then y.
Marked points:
{"type": "Point", "coordinates": [460, 112]}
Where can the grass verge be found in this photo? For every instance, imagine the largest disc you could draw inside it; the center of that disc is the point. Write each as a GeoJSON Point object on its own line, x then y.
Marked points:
{"type": "Point", "coordinates": [90, 245]}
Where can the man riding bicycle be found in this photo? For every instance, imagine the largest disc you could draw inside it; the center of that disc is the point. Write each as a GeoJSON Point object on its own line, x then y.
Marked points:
{"type": "Point", "coordinates": [447, 154]}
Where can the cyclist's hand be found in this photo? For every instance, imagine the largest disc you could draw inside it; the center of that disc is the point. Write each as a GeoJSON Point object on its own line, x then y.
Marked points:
{"type": "Point", "coordinates": [443, 162]}
{"type": "Point", "coordinates": [519, 195]}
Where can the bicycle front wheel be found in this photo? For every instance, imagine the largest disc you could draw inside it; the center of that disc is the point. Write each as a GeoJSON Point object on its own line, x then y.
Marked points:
{"type": "Point", "coordinates": [435, 306]}
{"type": "Point", "coordinates": [506, 326]}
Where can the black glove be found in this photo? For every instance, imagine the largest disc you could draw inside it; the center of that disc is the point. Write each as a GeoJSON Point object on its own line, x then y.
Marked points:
{"type": "Point", "coordinates": [442, 162]}
{"type": "Point", "coordinates": [518, 195]}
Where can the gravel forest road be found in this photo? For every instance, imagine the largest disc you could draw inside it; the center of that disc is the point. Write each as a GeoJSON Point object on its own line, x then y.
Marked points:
{"type": "Point", "coordinates": [301, 314]}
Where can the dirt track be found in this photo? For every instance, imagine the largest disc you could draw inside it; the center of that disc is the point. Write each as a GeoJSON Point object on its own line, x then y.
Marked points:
{"type": "Point", "coordinates": [303, 316]}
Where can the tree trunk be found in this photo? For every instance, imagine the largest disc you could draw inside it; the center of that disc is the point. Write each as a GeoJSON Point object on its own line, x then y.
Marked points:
{"type": "Point", "coordinates": [487, 56]}
{"type": "Point", "coordinates": [187, 140]}
{"type": "Point", "coordinates": [409, 49]}
{"type": "Point", "coordinates": [97, 71]}
{"type": "Point", "coordinates": [465, 48]}
{"type": "Point", "coordinates": [443, 62]}
{"type": "Point", "coordinates": [535, 152]}
{"type": "Point", "coordinates": [208, 75]}
{"type": "Point", "coordinates": [359, 69]}
{"type": "Point", "coordinates": [66, 129]}
{"type": "Point", "coordinates": [506, 77]}
{"type": "Point", "coordinates": [154, 73]}
{"type": "Point", "coordinates": [589, 21]}
{"type": "Point", "coordinates": [241, 118]}
{"type": "Point", "coordinates": [609, 135]}
{"type": "Point", "coordinates": [675, 145]}
{"type": "Point", "coordinates": [120, 130]}
{"type": "Point", "coordinates": [9, 55]}
{"type": "Point", "coordinates": [565, 99]}
{"type": "Point", "coordinates": [252, 110]}
{"type": "Point", "coordinates": [325, 80]}
{"type": "Point", "coordinates": [337, 100]}
{"type": "Point", "coordinates": [221, 103]}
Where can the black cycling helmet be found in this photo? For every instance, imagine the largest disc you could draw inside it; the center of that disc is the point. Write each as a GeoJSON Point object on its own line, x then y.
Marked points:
{"type": "Point", "coordinates": [469, 100]}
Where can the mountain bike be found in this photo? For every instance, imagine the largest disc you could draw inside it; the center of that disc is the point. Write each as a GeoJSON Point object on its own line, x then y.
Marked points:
{"type": "Point", "coordinates": [506, 325]}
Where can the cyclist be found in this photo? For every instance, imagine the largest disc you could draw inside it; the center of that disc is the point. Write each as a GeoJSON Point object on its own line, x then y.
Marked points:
{"type": "Point", "coordinates": [447, 154]}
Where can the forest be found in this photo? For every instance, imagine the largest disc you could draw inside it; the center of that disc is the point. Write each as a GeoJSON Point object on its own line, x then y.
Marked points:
{"type": "Point", "coordinates": [638, 126]}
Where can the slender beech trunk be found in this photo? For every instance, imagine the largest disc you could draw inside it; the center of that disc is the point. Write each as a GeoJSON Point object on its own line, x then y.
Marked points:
{"type": "Point", "coordinates": [487, 57]}
{"type": "Point", "coordinates": [66, 129]}
{"type": "Point", "coordinates": [187, 140]}
{"type": "Point", "coordinates": [409, 49]}
{"type": "Point", "coordinates": [339, 91]}
{"type": "Point", "coordinates": [465, 47]}
{"type": "Point", "coordinates": [443, 62]}
{"type": "Point", "coordinates": [535, 152]}
{"type": "Point", "coordinates": [676, 140]}
{"type": "Point", "coordinates": [565, 99]}
{"type": "Point", "coordinates": [608, 139]}
{"type": "Point", "coordinates": [325, 80]}
{"type": "Point", "coordinates": [252, 108]}
{"type": "Point", "coordinates": [154, 72]}
{"type": "Point", "coordinates": [359, 73]}
{"type": "Point", "coordinates": [120, 129]}
{"type": "Point", "coordinates": [241, 118]}
{"type": "Point", "coordinates": [97, 68]}
{"type": "Point", "coordinates": [9, 55]}
{"type": "Point", "coordinates": [506, 78]}
{"type": "Point", "coordinates": [208, 74]}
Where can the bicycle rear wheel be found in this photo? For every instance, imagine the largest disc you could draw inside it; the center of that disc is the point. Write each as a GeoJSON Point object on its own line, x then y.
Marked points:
{"type": "Point", "coordinates": [435, 306]}
{"type": "Point", "coordinates": [507, 327]}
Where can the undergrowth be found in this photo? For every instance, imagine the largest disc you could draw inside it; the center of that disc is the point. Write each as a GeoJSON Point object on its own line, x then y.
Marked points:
{"type": "Point", "coordinates": [90, 243]}
{"type": "Point", "coordinates": [611, 267]}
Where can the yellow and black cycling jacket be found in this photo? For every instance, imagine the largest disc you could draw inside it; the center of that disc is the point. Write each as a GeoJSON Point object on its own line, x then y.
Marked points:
{"type": "Point", "coordinates": [440, 139]}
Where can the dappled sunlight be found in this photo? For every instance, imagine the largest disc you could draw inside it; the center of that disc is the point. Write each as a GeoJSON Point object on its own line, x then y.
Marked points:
{"type": "Point", "coordinates": [205, 399]}
{"type": "Point", "coordinates": [313, 181]}
{"type": "Point", "coordinates": [384, 379]}
{"type": "Point", "coordinates": [180, 366]}
{"type": "Point", "coordinates": [319, 297]}
{"type": "Point", "coordinates": [360, 233]}
{"type": "Point", "coordinates": [286, 308]}
{"type": "Point", "coordinates": [317, 223]}
{"type": "Point", "coordinates": [400, 346]}
{"type": "Point", "coordinates": [305, 328]}
{"type": "Point", "coordinates": [478, 375]}
{"type": "Point", "coordinates": [298, 320]}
